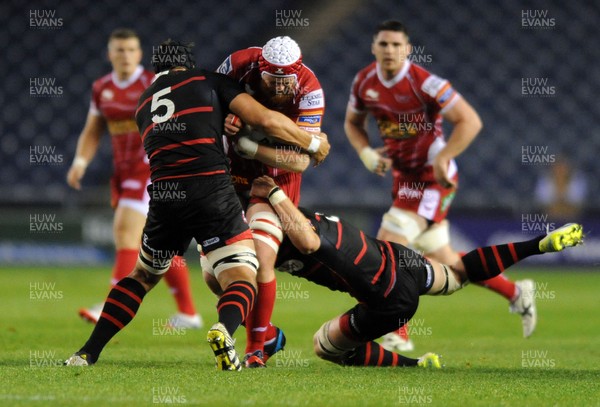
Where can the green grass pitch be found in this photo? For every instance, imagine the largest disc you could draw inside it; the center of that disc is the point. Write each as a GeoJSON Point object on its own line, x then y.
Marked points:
{"type": "Point", "coordinates": [488, 363]}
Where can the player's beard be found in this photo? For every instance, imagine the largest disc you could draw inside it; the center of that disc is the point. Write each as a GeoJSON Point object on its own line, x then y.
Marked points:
{"type": "Point", "coordinates": [281, 99]}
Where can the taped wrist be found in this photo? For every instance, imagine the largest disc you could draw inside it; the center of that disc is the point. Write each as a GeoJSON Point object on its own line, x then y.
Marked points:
{"type": "Point", "coordinates": [276, 196]}
{"type": "Point", "coordinates": [314, 145]}
{"type": "Point", "coordinates": [370, 158]}
{"type": "Point", "coordinates": [246, 147]}
{"type": "Point", "coordinates": [80, 162]}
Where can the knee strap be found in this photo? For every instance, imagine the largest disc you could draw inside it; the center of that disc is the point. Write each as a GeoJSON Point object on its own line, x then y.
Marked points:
{"type": "Point", "coordinates": [267, 228]}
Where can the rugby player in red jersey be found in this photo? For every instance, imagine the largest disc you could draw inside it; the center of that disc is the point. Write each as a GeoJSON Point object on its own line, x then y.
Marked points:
{"type": "Point", "coordinates": [114, 99]}
{"type": "Point", "coordinates": [409, 104]}
{"type": "Point", "coordinates": [276, 77]}
{"type": "Point", "coordinates": [329, 251]}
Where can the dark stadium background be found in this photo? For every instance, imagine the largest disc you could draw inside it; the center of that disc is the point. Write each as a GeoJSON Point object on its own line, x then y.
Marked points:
{"type": "Point", "coordinates": [486, 49]}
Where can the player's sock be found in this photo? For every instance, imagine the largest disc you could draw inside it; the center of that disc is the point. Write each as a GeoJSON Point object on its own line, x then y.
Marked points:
{"type": "Point", "coordinates": [178, 280]}
{"type": "Point", "coordinates": [270, 334]}
{"type": "Point", "coordinates": [373, 354]}
{"type": "Point", "coordinates": [486, 262]}
{"type": "Point", "coordinates": [257, 324]}
{"type": "Point", "coordinates": [125, 260]}
{"type": "Point", "coordinates": [120, 307]}
{"type": "Point", "coordinates": [235, 304]}
{"type": "Point", "coordinates": [501, 285]}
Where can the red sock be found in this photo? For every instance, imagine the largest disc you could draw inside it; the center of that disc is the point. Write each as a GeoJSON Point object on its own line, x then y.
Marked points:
{"type": "Point", "coordinates": [258, 320]}
{"type": "Point", "coordinates": [500, 285]}
{"type": "Point", "coordinates": [178, 280]}
{"type": "Point", "coordinates": [124, 263]}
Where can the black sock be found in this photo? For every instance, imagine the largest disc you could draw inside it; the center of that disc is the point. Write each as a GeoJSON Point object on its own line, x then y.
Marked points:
{"type": "Point", "coordinates": [487, 262]}
{"type": "Point", "coordinates": [120, 307]}
{"type": "Point", "coordinates": [235, 304]}
{"type": "Point", "coordinates": [373, 354]}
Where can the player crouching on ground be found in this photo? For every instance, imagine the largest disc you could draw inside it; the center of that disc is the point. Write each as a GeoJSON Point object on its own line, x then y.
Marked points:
{"type": "Point", "coordinates": [333, 253]}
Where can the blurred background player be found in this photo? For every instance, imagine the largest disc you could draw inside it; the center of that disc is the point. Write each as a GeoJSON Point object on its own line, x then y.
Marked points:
{"type": "Point", "coordinates": [329, 251]}
{"type": "Point", "coordinates": [114, 99]}
{"type": "Point", "coordinates": [561, 192]}
{"type": "Point", "coordinates": [409, 104]}
{"type": "Point", "coordinates": [277, 78]}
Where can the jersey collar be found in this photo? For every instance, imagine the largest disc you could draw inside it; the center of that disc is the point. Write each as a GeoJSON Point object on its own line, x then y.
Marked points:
{"type": "Point", "coordinates": [134, 77]}
{"type": "Point", "coordinates": [395, 79]}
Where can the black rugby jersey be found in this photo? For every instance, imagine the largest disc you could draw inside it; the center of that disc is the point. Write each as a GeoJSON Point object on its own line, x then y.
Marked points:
{"type": "Point", "coordinates": [350, 261]}
{"type": "Point", "coordinates": [180, 118]}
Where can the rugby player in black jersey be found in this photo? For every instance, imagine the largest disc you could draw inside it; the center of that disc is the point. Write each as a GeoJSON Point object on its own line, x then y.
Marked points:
{"type": "Point", "coordinates": [180, 118]}
{"type": "Point", "coordinates": [382, 276]}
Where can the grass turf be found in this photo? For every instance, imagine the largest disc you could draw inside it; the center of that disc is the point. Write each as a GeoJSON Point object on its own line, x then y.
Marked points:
{"type": "Point", "coordinates": [487, 360]}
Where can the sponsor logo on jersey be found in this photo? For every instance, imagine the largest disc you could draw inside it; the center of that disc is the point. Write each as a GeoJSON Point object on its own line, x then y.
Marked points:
{"type": "Point", "coordinates": [236, 179]}
{"type": "Point", "coordinates": [401, 98]}
{"type": "Point", "coordinates": [446, 96]}
{"type": "Point", "coordinates": [211, 241]}
{"type": "Point", "coordinates": [314, 119]}
{"type": "Point", "coordinates": [133, 95]}
{"type": "Point", "coordinates": [446, 202]}
{"type": "Point", "coordinates": [372, 94]}
{"type": "Point", "coordinates": [225, 67]}
{"type": "Point", "coordinates": [433, 84]}
{"type": "Point", "coordinates": [312, 100]}
{"type": "Point", "coordinates": [107, 94]}
{"type": "Point", "coordinates": [429, 281]}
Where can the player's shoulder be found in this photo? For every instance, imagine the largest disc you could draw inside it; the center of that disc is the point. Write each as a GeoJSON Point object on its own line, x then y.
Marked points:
{"type": "Point", "coordinates": [368, 71]}
{"type": "Point", "coordinates": [429, 83]}
{"type": "Point", "coordinates": [307, 79]}
{"type": "Point", "coordinates": [240, 61]}
{"type": "Point", "coordinates": [102, 81]}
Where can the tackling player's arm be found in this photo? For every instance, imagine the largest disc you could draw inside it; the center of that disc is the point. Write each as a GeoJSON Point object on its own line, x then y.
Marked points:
{"type": "Point", "coordinates": [279, 126]}
{"type": "Point", "coordinates": [466, 125]}
{"type": "Point", "coordinates": [87, 145]}
{"type": "Point", "coordinates": [285, 158]}
{"type": "Point", "coordinates": [296, 226]}
{"type": "Point", "coordinates": [356, 132]}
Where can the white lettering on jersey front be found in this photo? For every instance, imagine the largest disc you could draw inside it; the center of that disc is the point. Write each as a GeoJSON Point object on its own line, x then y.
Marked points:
{"type": "Point", "coordinates": [433, 84]}
{"type": "Point", "coordinates": [312, 100]}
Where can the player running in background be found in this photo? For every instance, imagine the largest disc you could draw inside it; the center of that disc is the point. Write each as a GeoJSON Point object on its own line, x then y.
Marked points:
{"type": "Point", "coordinates": [276, 77]}
{"type": "Point", "coordinates": [409, 104]}
{"type": "Point", "coordinates": [386, 278]}
{"type": "Point", "coordinates": [180, 117]}
{"type": "Point", "coordinates": [114, 98]}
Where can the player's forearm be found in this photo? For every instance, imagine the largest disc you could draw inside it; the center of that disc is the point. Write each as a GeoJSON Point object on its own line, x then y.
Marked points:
{"type": "Point", "coordinates": [283, 129]}
{"type": "Point", "coordinates": [466, 126]}
{"type": "Point", "coordinates": [87, 146]}
{"type": "Point", "coordinates": [463, 134]}
{"type": "Point", "coordinates": [357, 136]}
{"type": "Point", "coordinates": [294, 223]}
